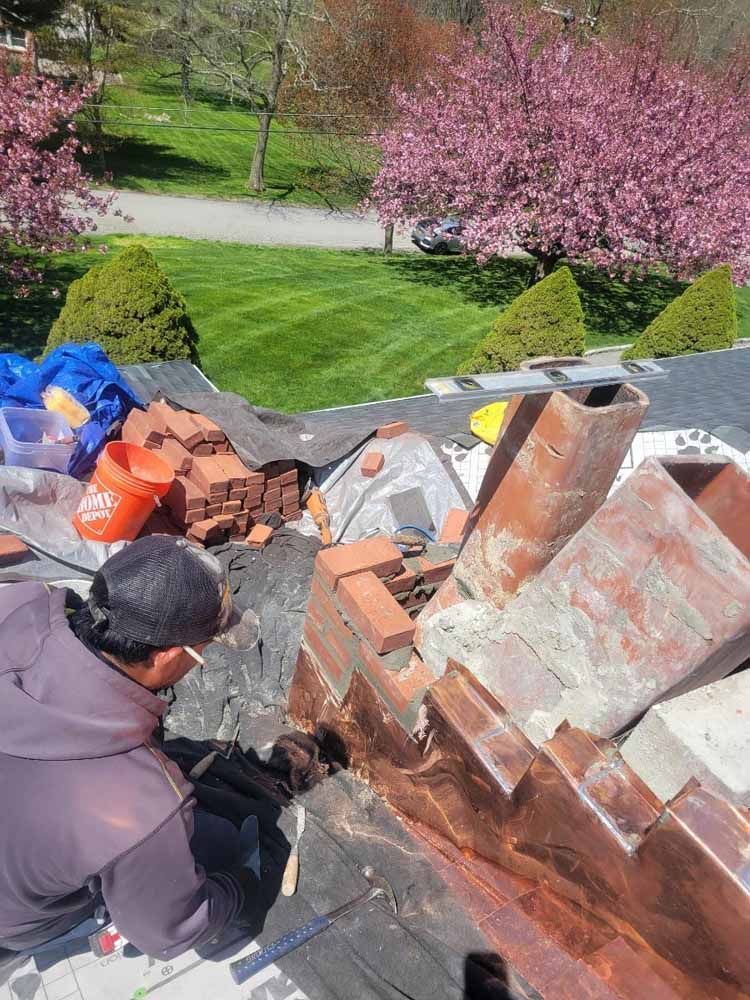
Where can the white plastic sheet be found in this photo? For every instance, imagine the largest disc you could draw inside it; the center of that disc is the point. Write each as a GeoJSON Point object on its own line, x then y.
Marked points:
{"type": "Point", "coordinates": [39, 506]}
{"type": "Point", "coordinates": [359, 507]}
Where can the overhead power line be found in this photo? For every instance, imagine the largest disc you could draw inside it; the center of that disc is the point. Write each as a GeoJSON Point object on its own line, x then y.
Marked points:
{"type": "Point", "coordinates": [224, 128]}
{"type": "Point", "coordinates": [235, 111]}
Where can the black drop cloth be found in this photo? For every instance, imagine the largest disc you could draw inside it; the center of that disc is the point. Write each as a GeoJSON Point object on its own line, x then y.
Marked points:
{"type": "Point", "coordinates": [239, 686]}
{"type": "Point", "coordinates": [260, 436]}
{"type": "Point", "coordinates": [431, 951]}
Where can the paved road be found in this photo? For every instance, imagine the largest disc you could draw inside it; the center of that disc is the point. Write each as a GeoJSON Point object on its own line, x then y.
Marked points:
{"type": "Point", "coordinates": [245, 222]}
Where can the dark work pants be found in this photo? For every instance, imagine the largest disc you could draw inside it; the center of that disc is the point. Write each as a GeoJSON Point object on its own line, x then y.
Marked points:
{"type": "Point", "coordinates": [215, 845]}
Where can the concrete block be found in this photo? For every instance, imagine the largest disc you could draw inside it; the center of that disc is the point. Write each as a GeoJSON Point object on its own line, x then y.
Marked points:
{"type": "Point", "coordinates": [704, 734]}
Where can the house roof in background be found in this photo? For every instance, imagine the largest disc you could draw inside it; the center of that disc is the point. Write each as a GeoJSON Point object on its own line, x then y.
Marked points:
{"type": "Point", "coordinates": [710, 391]}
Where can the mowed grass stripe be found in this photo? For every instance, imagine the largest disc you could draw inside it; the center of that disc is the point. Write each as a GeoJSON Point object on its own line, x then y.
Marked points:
{"type": "Point", "coordinates": [297, 329]}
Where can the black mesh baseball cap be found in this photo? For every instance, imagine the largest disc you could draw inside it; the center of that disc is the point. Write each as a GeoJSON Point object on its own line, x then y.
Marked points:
{"type": "Point", "coordinates": [166, 592]}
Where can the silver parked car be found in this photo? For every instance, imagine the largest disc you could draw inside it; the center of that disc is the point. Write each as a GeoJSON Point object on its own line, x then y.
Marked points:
{"type": "Point", "coordinates": [438, 236]}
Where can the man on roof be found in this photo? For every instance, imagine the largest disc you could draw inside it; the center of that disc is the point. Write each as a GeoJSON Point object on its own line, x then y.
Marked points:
{"type": "Point", "coordinates": [95, 816]}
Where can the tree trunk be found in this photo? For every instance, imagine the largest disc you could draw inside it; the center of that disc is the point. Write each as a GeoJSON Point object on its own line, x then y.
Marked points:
{"type": "Point", "coordinates": [544, 265]}
{"type": "Point", "coordinates": [257, 167]}
{"type": "Point", "coordinates": [257, 179]}
{"type": "Point", "coordinates": [388, 243]}
{"type": "Point", "coordinates": [186, 62]}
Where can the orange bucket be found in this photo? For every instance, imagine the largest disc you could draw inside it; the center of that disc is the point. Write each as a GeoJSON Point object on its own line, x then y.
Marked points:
{"type": "Point", "coordinates": [122, 493]}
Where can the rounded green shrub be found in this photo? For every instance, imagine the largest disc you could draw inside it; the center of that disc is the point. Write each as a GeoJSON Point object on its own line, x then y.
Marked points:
{"type": "Point", "coordinates": [546, 319]}
{"type": "Point", "coordinates": [130, 308]}
{"type": "Point", "coordinates": [703, 318]}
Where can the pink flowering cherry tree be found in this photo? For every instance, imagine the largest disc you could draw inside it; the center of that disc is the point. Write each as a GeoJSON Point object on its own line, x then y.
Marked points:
{"type": "Point", "coordinates": [43, 189]}
{"type": "Point", "coordinates": [568, 149]}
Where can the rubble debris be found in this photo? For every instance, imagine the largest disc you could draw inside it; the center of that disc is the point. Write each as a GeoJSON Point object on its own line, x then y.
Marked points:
{"type": "Point", "coordinates": [372, 463]}
{"type": "Point", "coordinates": [212, 484]}
{"type": "Point", "coordinates": [704, 734]}
{"type": "Point", "coordinates": [649, 599]}
{"type": "Point", "coordinates": [12, 549]}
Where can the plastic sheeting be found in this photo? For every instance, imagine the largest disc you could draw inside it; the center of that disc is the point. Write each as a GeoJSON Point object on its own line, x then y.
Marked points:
{"type": "Point", "coordinates": [38, 507]}
{"type": "Point", "coordinates": [83, 370]}
{"type": "Point", "coordinates": [360, 507]}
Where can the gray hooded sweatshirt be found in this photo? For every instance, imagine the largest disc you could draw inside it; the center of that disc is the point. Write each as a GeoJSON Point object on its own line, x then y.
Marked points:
{"type": "Point", "coordinates": [88, 803]}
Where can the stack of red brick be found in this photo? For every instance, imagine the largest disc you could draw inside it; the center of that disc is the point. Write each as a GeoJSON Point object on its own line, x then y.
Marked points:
{"type": "Point", "coordinates": [215, 496]}
{"type": "Point", "coordinates": [362, 601]}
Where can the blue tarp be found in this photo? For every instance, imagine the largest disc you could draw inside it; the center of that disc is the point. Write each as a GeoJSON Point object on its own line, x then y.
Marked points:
{"type": "Point", "coordinates": [83, 370]}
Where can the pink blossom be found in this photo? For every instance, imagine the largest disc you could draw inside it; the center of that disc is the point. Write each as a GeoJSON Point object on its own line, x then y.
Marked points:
{"type": "Point", "coordinates": [43, 189]}
{"type": "Point", "coordinates": [566, 148]}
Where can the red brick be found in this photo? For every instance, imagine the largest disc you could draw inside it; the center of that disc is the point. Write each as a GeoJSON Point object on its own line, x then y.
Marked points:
{"type": "Point", "coordinates": [181, 424]}
{"type": "Point", "coordinates": [272, 495]}
{"type": "Point", "coordinates": [290, 478]}
{"type": "Point", "coordinates": [11, 549]}
{"type": "Point", "coordinates": [158, 416]}
{"type": "Point", "coordinates": [291, 493]}
{"type": "Point", "coordinates": [435, 572]}
{"type": "Point", "coordinates": [254, 492]}
{"type": "Point", "coordinates": [225, 521]}
{"type": "Point", "coordinates": [212, 509]}
{"type": "Point", "coordinates": [336, 667]}
{"type": "Point", "coordinates": [393, 430]}
{"type": "Point", "coordinates": [232, 507]}
{"type": "Point", "coordinates": [192, 516]}
{"type": "Point", "coordinates": [269, 505]}
{"type": "Point", "coordinates": [260, 536]}
{"type": "Point", "coordinates": [204, 448]}
{"type": "Point", "coordinates": [177, 456]}
{"type": "Point", "coordinates": [238, 494]}
{"type": "Point", "coordinates": [209, 475]}
{"type": "Point", "coordinates": [236, 472]}
{"type": "Point", "coordinates": [375, 613]}
{"type": "Point", "coordinates": [290, 508]}
{"type": "Point", "coordinates": [241, 522]}
{"type": "Point", "coordinates": [256, 479]}
{"type": "Point", "coordinates": [238, 537]}
{"type": "Point", "coordinates": [220, 497]}
{"type": "Point", "coordinates": [139, 424]}
{"type": "Point", "coordinates": [403, 689]}
{"type": "Point", "coordinates": [273, 483]}
{"type": "Point", "coordinates": [133, 434]}
{"type": "Point", "coordinates": [376, 554]}
{"type": "Point", "coordinates": [294, 516]}
{"type": "Point", "coordinates": [221, 447]}
{"type": "Point", "coordinates": [454, 526]}
{"type": "Point", "coordinates": [211, 431]}
{"type": "Point", "coordinates": [184, 495]}
{"type": "Point", "coordinates": [372, 463]}
{"type": "Point", "coordinates": [204, 530]}
{"type": "Point", "coordinates": [402, 583]}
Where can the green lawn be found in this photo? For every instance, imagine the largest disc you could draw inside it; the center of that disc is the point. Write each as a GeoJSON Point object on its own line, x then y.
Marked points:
{"type": "Point", "coordinates": [297, 329]}
{"type": "Point", "coordinates": [200, 161]}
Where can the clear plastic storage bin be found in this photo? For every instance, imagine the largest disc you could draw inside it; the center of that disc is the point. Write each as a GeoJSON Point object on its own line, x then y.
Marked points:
{"type": "Point", "coordinates": [22, 436]}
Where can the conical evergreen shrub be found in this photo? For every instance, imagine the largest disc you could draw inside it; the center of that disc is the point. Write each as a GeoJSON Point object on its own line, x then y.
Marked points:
{"type": "Point", "coordinates": [546, 319]}
{"type": "Point", "coordinates": [130, 308]}
{"type": "Point", "coordinates": [703, 318]}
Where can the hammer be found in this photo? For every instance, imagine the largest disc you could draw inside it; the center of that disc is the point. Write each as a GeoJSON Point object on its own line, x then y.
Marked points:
{"type": "Point", "coordinates": [380, 890]}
